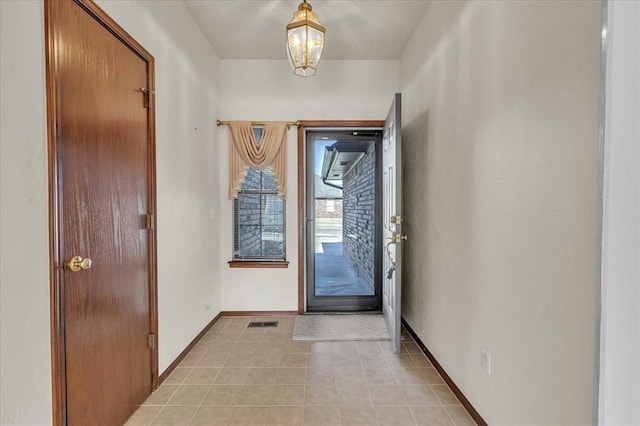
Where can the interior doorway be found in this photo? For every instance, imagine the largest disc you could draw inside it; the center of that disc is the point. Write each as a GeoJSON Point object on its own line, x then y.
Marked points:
{"type": "Point", "coordinates": [342, 215]}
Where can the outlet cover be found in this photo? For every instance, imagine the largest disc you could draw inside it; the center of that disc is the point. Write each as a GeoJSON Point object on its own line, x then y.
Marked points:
{"type": "Point", "coordinates": [485, 361]}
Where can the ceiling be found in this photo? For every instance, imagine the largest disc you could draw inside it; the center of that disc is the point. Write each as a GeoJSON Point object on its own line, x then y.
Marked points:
{"type": "Point", "coordinates": [356, 29]}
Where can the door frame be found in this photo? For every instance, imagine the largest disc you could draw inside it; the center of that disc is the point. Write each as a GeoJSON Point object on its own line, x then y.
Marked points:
{"type": "Point", "coordinates": [302, 125]}
{"type": "Point", "coordinates": [342, 303]}
{"type": "Point", "coordinates": [56, 263]}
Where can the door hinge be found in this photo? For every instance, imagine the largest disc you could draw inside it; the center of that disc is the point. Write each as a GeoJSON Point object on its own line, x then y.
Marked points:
{"type": "Point", "coordinates": [147, 96]}
{"type": "Point", "coordinates": [151, 341]}
{"type": "Point", "coordinates": [148, 221]}
{"type": "Point", "coordinates": [395, 219]}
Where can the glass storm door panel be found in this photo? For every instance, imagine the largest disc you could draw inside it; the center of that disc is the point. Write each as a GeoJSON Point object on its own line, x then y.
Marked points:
{"type": "Point", "coordinates": [341, 211]}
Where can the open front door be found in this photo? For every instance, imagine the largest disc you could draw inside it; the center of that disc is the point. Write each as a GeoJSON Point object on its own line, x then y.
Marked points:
{"type": "Point", "coordinates": [392, 222]}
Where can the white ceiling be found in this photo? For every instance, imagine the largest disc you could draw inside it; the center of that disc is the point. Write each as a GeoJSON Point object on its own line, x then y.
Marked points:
{"type": "Point", "coordinates": [356, 29]}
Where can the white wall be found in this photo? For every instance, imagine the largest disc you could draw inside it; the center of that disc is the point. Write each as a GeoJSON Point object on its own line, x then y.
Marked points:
{"type": "Point", "coordinates": [620, 330]}
{"type": "Point", "coordinates": [501, 114]}
{"type": "Point", "coordinates": [25, 364]}
{"type": "Point", "coordinates": [187, 185]}
{"type": "Point", "coordinates": [268, 90]}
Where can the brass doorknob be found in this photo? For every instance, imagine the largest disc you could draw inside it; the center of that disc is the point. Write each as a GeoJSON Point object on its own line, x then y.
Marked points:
{"type": "Point", "coordinates": [77, 263]}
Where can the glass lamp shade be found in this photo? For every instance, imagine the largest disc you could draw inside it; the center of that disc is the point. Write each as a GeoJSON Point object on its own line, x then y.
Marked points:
{"type": "Point", "coordinates": [305, 40]}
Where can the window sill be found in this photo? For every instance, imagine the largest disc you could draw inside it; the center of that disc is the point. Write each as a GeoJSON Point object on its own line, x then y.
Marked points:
{"type": "Point", "coordinates": [258, 264]}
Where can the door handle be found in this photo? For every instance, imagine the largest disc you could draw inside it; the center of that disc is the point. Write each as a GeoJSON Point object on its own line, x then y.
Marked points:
{"type": "Point", "coordinates": [77, 263]}
{"type": "Point", "coordinates": [395, 239]}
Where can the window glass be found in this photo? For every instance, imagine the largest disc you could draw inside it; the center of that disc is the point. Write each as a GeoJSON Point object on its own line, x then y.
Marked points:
{"type": "Point", "coordinates": [259, 217]}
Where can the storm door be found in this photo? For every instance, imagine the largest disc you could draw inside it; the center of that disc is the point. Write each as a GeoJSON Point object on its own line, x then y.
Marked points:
{"type": "Point", "coordinates": [343, 213]}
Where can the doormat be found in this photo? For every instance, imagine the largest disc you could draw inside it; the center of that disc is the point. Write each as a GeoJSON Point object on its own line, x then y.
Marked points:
{"type": "Point", "coordinates": [340, 327]}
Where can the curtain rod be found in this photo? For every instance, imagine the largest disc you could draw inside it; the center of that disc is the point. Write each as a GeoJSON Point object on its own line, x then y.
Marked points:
{"type": "Point", "coordinates": [258, 123]}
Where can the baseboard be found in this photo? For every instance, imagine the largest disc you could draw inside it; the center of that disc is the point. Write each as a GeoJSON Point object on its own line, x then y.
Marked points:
{"type": "Point", "coordinates": [463, 399]}
{"type": "Point", "coordinates": [258, 313]}
{"type": "Point", "coordinates": [186, 351]}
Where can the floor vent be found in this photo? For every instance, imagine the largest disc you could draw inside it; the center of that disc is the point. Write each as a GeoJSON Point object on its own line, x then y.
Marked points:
{"type": "Point", "coordinates": [263, 324]}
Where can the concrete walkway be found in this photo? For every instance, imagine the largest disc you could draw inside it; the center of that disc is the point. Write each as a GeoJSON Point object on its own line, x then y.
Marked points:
{"type": "Point", "coordinates": [334, 276]}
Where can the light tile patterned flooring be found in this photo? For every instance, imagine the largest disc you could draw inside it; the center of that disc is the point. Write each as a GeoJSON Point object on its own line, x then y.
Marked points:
{"type": "Point", "coordinates": [259, 376]}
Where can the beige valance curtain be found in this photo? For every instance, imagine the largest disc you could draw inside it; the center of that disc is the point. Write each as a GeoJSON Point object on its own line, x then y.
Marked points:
{"type": "Point", "coordinates": [244, 152]}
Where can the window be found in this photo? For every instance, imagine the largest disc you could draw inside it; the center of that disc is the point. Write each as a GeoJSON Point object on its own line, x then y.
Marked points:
{"type": "Point", "coordinates": [331, 206]}
{"type": "Point", "coordinates": [258, 217]}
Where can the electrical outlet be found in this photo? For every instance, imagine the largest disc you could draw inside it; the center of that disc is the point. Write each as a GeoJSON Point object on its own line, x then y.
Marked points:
{"type": "Point", "coordinates": [213, 213]}
{"type": "Point", "coordinates": [485, 361]}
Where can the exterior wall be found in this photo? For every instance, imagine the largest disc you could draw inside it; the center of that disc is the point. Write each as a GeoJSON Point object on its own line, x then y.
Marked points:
{"type": "Point", "coordinates": [250, 238]}
{"type": "Point", "coordinates": [358, 228]}
{"type": "Point", "coordinates": [501, 109]}
{"type": "Point", "coordinates": [250, 205]}
{"type": "Point", "coordinates": [322, 211]}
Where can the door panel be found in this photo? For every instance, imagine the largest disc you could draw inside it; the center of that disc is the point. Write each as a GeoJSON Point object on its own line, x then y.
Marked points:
{"type": "Point", "coordinates": [392, 222]}
{"type": "Point", "coordinates": [102, 137]}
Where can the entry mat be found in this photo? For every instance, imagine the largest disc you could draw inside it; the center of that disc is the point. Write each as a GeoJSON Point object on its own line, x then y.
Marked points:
{"type": "Point", "coordinates": [340, 327]}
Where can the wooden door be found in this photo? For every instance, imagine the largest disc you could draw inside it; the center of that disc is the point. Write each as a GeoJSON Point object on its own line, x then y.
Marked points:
{"type": "Point", "coordinates": [392, 222]}
{"type": "Point", "coordinates": [102, 149]}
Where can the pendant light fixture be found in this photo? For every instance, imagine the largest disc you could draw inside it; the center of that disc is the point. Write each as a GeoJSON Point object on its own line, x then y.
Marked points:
{"type": "Point", "coordinates": [305, 40]}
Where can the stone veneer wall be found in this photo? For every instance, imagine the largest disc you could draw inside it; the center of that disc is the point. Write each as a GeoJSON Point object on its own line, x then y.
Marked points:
{"type": "Point", "coordinates": [358, 231]}
{"type": "Point", "coordinates": [250, 209]}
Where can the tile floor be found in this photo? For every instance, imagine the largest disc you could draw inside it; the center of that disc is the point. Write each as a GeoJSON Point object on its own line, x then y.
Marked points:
{"type": "Point", "coordinates": [259, 376]}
